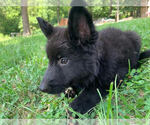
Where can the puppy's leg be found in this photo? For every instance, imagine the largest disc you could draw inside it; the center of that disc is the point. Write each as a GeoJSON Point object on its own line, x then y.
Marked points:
{"type": "Point", "coordinates": [86, 100]}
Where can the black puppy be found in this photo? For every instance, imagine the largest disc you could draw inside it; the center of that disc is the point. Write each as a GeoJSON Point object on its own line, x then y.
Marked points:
{"type": "Point", "coordinates": [83, 58]}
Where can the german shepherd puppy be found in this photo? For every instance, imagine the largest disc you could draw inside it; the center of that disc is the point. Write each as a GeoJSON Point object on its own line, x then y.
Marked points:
{"type": "Point", "coordinates": [83, 58]}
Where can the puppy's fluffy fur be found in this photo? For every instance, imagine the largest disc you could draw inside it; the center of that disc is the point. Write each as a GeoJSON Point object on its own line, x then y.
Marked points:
{"type": "Point", "coordinates": [85, 59]}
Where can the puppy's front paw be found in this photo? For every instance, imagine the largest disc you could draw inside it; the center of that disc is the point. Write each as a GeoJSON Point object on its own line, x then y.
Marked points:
{"type": "Point", "coordinates": [79, 106]}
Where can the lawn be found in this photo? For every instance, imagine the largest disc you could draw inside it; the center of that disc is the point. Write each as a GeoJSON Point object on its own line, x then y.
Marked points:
{"type": "Point", "coordinates": [22, 65]}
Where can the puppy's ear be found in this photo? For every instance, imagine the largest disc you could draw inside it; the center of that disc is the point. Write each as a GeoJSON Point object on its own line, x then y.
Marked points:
{"type": "Point", "coordinates": [46, 28]}
{"type": "Point", "coordinates": [80, 24]}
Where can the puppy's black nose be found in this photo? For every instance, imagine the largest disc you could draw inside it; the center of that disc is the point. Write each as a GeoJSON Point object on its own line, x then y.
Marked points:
{"type": "Point", "coordinates": [43, 88]}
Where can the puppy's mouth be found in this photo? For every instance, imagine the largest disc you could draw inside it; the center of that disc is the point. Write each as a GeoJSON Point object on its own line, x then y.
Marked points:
{"type": "Point", "coordinates": [53, 89]}
{"type": "Point", "coordinates": [56, 90]}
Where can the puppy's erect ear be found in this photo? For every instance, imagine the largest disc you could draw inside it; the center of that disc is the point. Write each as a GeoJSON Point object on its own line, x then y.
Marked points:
{"type": "Point", "coordinates": [46, 28]}
{"type": "Point", "coordinates": [80, 24]}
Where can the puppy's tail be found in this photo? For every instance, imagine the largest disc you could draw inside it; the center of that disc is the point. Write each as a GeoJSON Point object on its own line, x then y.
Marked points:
{"type": "Point", "coordinates": [143, 55]}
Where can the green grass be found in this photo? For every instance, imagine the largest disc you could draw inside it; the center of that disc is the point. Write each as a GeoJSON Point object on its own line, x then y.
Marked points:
{"type": "Point", "coordinates": [22, 65]}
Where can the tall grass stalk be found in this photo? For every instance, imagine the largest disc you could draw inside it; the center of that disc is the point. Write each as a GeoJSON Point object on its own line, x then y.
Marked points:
{"type": "Point", "coordinates": [109, 106]}
{"type": "Point", "coordinates": [116, 98]}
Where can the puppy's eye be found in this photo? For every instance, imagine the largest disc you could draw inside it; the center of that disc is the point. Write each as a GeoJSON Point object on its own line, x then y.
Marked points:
{"type": "Point", "coordinates": [63, 61]}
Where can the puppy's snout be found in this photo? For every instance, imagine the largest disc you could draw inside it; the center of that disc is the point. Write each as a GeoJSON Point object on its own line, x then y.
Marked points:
{"type": "Point", "coordinates": [45, 86]}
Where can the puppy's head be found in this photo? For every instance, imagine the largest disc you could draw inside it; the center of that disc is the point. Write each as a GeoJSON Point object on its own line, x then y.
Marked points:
{"type": "Point", "coordinates": [71, 51]}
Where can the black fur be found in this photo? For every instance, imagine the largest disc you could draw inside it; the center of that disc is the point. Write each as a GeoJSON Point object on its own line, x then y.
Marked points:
{"type": "Point", "coordinates": [87, 60]}
{"type": "Point", "coordinates": [144, 55]}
